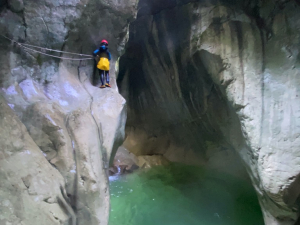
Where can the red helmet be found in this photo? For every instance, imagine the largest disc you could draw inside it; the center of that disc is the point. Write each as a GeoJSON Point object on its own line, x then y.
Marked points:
{"type": "Point", "coordinates": [104, 42]}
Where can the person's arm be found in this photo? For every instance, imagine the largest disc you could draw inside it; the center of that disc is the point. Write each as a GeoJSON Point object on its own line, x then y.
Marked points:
{"type": "Point", "coordinates": [95, 53]}
{"type": "Point", "coordinates": [109, 55]}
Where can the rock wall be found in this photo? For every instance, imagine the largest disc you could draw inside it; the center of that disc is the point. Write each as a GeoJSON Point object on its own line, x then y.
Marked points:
{"type": "Point", "coordinates": [206, 81]}
{"type": "Point", "coordinates": [59, 132]}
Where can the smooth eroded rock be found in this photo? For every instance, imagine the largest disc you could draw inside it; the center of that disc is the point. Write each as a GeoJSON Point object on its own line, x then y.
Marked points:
{"type": "Point", "coordinates": [32, 191]}
{"type": "Point", "coordinates": [16, 5]}
{"type": "Point", "coordinates": [203, 80]}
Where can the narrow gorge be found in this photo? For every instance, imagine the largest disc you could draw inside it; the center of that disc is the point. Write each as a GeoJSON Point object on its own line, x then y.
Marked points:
{"type": "Point", "coordinates": [208, 84]}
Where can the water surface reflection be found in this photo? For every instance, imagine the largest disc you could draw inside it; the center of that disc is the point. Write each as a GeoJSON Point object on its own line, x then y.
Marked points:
{"type": "Point", "coordinates": [182, 195]}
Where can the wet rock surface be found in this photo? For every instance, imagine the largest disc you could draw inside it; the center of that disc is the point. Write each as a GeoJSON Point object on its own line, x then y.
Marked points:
{"type": "Point", "coordinates": [207, 80]}
{"type": "Point", "coordinates": [126, 162]}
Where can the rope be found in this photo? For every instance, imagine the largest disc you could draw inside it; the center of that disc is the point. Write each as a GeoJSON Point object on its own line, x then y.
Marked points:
{"type": "Point", "coordinates": [54, 56]}
{"type": "Point", "coordinates": [53, 50]}
{"type": "Point", "coordinates": [47, 49]}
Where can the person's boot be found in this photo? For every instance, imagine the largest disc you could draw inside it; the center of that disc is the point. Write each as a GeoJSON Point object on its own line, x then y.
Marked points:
{"type": "Point", "coordinates": [107, 85]}
{"type": "Point", "coordinates": [102, 86]}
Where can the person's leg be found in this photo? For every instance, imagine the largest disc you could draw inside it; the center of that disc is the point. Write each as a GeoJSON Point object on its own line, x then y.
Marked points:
{"type": "Point", "coordinates": [101, 73]}
{"type": "Point", "coordinates": [107, 78]}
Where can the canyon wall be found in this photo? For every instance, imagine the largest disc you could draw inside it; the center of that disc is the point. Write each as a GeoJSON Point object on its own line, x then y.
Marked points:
{"type": "Point", "coordinates": [213, 82]}
{"type": "Point", "coordinates": [207, 82]}
{"type": "Point", "coordinates": [58, 131]}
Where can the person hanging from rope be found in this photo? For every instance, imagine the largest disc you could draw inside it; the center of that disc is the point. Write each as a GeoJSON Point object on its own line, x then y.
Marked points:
{"type": "Point", "coordinates": [104, 57]}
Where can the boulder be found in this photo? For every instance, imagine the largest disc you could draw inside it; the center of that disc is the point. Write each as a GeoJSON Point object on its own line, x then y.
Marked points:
{"type": "Point", "coordinates": [149, 161]}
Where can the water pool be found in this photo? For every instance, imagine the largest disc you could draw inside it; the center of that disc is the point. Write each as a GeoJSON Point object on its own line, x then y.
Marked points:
{"type": "Point", "coordinates": [182, 195]}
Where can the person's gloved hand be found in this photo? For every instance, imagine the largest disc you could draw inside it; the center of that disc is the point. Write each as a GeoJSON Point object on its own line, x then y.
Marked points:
{"type": "Point", "coordinates": [97, 58]}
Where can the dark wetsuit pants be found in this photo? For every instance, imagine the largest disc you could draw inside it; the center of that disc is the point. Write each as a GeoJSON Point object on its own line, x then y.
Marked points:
{"type": "Point", "coordinates": [104, 77]}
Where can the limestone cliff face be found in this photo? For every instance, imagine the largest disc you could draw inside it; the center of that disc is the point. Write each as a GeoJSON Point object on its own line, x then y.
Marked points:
{"type": "Point", "coordinates": [58, 131]}
{"type": "Point", "coordinates": [207, 79]}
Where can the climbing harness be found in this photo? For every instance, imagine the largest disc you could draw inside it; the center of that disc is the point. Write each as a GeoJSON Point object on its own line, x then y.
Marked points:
{"type": "Point", "coordinates": [30, 48]}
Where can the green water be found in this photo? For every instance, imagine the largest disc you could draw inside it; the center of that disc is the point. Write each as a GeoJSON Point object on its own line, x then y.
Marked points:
{"type": "Point", "coordinates": [182, 195]}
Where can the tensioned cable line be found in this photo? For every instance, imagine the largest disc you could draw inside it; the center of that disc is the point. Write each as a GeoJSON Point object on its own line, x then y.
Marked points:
{"type": "Point", "coordinates": [53, 55]}
{"type": "Point", "coordinates": [51, 50]}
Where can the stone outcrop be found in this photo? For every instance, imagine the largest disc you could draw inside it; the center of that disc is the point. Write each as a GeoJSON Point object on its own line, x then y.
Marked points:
{"type": "Point", "coordinates": [31, 189]}
{"type": "Point", "coordinates": [206, 81]}
{"type": "Point", "coordinates": [126, 162]}
{"type": "Point", "coordinates": [60, 132]}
